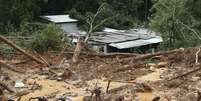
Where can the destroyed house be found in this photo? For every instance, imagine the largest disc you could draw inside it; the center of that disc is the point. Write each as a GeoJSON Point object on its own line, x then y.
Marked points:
{"type": "Point", "coordinates": [135, 40]}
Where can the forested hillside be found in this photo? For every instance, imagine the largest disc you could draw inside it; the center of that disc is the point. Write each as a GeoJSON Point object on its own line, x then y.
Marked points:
{"type": "Point", "coordinates": [179, 21]}
{"type": "Point", "coordinates": [100, 50]}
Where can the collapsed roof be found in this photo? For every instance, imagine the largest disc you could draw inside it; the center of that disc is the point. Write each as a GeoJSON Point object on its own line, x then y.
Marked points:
{"type": "Point", "coordinates": [126, 39]}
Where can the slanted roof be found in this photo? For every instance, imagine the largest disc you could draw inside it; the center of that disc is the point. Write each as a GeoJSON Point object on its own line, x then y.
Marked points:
{"type": "Point", "coordinates": [120, 36]}
{"type": "Point", "coordinates": [59, 18]}
{"type": "Point", "coordinates": [126, 39]}
{"type": "Point", "coordinates": [136, 43]}
{"type": "Point", "coordinates": [112, 37]}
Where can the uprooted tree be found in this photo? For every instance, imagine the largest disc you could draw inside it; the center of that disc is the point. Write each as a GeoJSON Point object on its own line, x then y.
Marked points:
{"type": "Point", "coordinates": [91, 20]}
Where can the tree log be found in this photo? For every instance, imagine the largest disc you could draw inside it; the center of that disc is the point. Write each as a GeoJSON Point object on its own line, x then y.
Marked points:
{"type": "Point", "coordinates": [146, 56]}
{"type": "Point", "coordinates": [3, 39]}
{"type": "Point", "coordinates": [5, 86]}
{"type": "Point", "coordinates": [107, 55]}
{"type": "Point", "coordinates": [2, 63]}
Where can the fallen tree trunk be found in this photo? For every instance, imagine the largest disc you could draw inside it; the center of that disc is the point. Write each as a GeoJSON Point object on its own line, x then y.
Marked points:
{"type": "Point", "coordinates": [109, 55]}
{"type": "Point", "coordinates": [157, 54]}
{"type": "Point", "coordinates": [2, 63]}
{"type": "Point", "coordinates": [3, 39]}
{"type": "Point", "coordinates": [146, 56]}
{"type": "Point", "coordinates": [5, 86]}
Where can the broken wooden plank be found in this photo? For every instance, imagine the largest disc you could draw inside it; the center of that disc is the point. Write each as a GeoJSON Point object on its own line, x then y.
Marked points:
{"type": "Point", "coordinates": [10, 43]}
{"type": "Point", "coordinates": [47, 64]}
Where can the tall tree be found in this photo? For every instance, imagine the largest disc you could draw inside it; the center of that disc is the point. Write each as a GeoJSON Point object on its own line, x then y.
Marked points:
{"type": "Point", "coordinates": [15, 11]}
{"type": "Point", "coordinates": [174, 21]}
{"type": "Point", "coordinates": [93, 25]}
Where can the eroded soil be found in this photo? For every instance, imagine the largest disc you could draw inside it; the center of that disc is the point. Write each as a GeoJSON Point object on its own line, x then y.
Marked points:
{"type": "Point", "coordinates": [169, 77]}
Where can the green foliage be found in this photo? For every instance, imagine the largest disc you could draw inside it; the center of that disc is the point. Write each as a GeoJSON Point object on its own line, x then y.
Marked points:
{"type": "Point", "coordinates": [174, 21]}
{"type": "Point", "coordinates": [47, 39]}
{"type": "Point", "coordinates": [134, 8]}
{"type": "Point", "coordinates": [126, 14]}
{"type": "Point", "coordinates": [15, 11]}
{"type": "Point", "coordinates": [97, 19]}
{"type": "Point", "coordinates": [122, 22]}
{"type": "Point", "coordinates": [28, 29]}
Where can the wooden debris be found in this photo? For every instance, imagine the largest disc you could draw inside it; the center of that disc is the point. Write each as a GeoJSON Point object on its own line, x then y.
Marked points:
{"type": "Point", "coordinates": [5, 86]}
{"type": "Point", "coordinates": [156, 99]}
{"type": "Point", "coordinates": [146, 56]}
{"type": "Point", "coordinates": [61, 53]}
{"type": "Point", "coordinates": [77, 51]}
{"type": "Point", "coordinates": [19, 62]}
{"type": "Point", "coordinates": [162, 64]}
{"type": "Point", "coordinates": [185, 74]}
{"type": "Point", "coordinates": [3, 64]}
{"type": "Point", "coordinates": [10, 43]}
{"type": "Point", "coordinates": [108, 86]}
{"type": "Point", "coordinates": [47, 64]}
{"type": "Point", "coordinates": [107, 55]}
{"type": "Point", "coordinates": [22, 93]}
{"type": "Point", "coordinates": [199, 96]}
{"type": "Point", "coordinates": [197, 54]}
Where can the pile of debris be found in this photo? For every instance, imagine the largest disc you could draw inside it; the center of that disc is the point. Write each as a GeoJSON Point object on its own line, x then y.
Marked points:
{"type": "Point", "coordinates": [162, 76]}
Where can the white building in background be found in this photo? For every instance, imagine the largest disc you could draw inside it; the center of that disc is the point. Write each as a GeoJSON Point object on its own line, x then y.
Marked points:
{"type": "Point", "coordinates": [69, 25]}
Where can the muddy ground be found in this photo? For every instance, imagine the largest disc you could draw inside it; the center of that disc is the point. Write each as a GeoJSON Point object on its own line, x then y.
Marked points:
{"type": "Point", "coordinates": [167, 77]}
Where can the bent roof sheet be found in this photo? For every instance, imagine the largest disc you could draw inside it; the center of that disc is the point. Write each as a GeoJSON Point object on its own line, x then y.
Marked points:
{"type": "Point", "coordinates": [119, 36]}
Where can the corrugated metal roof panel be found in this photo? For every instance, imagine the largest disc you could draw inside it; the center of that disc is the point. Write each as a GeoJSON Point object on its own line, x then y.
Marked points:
{"type": "Point", "coordinates": [111, 37]}
{"type": "Point", "coordinates": [59, 18]}
{"type": "Point", "coordinates": [136, 43]}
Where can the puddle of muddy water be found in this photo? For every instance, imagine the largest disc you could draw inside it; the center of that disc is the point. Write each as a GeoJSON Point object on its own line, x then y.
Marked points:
{"type": "Point", "coordinates": [154, 76]}
{"type": "Point", "coordinates": [54, 87]}
{"type": "Point", "coordinates": [147, 96]}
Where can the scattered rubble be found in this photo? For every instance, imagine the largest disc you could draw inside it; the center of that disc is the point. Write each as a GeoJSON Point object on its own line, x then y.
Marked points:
{"type": "Point", "coordinates": [172, 76]}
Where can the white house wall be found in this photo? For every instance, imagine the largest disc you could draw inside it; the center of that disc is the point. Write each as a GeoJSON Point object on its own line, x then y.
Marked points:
{"type": "Point", "coordinates": [69, 27]}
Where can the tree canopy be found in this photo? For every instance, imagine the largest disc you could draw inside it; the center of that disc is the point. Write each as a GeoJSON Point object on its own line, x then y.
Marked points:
{"type": "Point", "coordinates": [179, 21]}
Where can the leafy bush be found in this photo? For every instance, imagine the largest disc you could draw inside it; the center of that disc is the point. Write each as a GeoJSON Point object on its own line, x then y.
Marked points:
{"type": "Point", "coordinates": [47, 39]}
